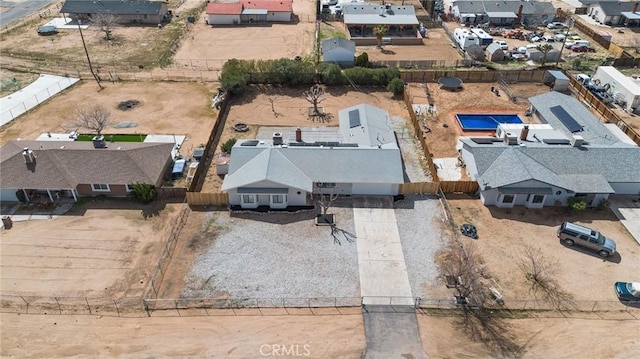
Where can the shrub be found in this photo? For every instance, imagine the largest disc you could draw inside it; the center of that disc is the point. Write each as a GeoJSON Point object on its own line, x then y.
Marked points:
{"type": "Point", "coordinates": [234, 76]}
{"type": "Point", "coordinates": [331, 74]}
{"type": "Point", "coordinates": [576, 205]}
{"type": "Point", "coordinates": [362, 60]}
{"type": "Point", "coordinates": [226, 147]}
{"type": "Point", "coordinates": [143, 192]}
{"type": "Point", "coordinates": [603, 204]}
{"type": "Point", "coordinates": [396, 86]}
{"type": "Point", "coordinates": [371, 77]}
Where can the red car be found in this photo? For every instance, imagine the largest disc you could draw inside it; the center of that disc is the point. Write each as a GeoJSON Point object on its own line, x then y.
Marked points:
{"type": "Point", "coordinates": [582, 48]}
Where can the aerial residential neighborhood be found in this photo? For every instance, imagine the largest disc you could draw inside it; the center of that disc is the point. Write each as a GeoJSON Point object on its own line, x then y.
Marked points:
{"type": "Point", "coordinates": [330, 179]}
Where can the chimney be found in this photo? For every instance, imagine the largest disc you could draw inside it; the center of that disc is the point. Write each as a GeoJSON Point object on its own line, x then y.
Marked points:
{"type": "Point", "coordinates": [277, 139]}
{"type": "Point", "coordinates": [635, 7]}
{"type": "Point", "coordinates": [577, 141]}
{"type": "Point", "coordinates": [298, 135]}
{"type": "Point", "coordinates": [524, 133]}
{"type": "Point", "coordinates": [519, 15]}
{"type": "Point", "coordinates": [99, 142]}
{"type": "Point", "coordinates": [510, 139]}
{"type": "Point", "coordinates": [28, 155]}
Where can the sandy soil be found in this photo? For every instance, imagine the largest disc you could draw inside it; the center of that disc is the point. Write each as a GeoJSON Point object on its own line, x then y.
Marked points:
{"type": "Point", "coordinates": [254, 109]}
{"type": "Point", "coordinates": [98, 253]}
{"type": "Point", "coordinates": [475, 98]}
{"type": "Point", "coordinates": [13, 81]}
{"type": "Point", "coordinates": [583, 274]}
{"type": "Point", "coordinates": [437, 46]}
{"type": "Point", "coordinates": [538, 338]}
{"type": "Point", "coordinates": [160, 110]}
{"type": "Point", "coordinates": [210, 46]}
{"type": "Point", "coordinates": [32, 336]}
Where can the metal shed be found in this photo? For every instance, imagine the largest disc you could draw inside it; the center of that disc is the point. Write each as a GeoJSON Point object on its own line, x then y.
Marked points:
{"type": "Point", "coordinates": [557, 80]}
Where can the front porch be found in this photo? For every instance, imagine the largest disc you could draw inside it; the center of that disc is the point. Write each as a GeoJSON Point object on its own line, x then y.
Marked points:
{"type": "Point", "coordinates": [49, 195]}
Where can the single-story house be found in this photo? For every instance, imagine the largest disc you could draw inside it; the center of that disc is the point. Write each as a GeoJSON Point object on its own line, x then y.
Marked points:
{"type": "Point", "coordinates": [503, 13]}
{"type": "Point", "coordinates": [572, 154]}
{"type": "Point", "coordinates": [360, 157]}
{"type": "Point", "coordinates": [249, 11]}
{"type": "Point", "coordinates": [610, 13]}
{"type": "Point", "coordinates": [51, 170]}
{"type": "Point", "coordinates": [400, 22]}
{"type": "Point", "coordinates": [339, 51]}
{"type": "Point", "coordinates": [126, 11]}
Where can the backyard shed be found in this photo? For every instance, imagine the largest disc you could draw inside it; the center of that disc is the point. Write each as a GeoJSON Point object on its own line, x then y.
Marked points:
{"type": "Point", "coordinates": [495, 52]}
{"type": "Point", "coordinates": [557, 80]}
{"type": "Point", "coordinates": [624, 90]}
{"type": "Point", "coordinates": [339, 51]}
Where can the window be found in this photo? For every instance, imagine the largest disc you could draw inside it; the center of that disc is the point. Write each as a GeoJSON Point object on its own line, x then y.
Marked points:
{"type": "Point", "coordinates": [100, 187]}
{"type": "Point", "coordinates": [508, 198]}
{"type": "Point", "coordinates": [325, 185]}
{"type": "Point", "coordinates": [537, 198]}
{"type": "Point", "coordinates": [248, 198]}
{"type": "Point", "coordinates": [278, 198]}
{"type": "Point", "coordinates": [128, 187]}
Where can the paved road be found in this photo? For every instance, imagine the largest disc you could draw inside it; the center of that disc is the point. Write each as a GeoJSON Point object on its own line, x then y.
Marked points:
{"type": "Point", "coordinates": [392, 332]}
{"type": "Point", "coordinates": [21, 8]}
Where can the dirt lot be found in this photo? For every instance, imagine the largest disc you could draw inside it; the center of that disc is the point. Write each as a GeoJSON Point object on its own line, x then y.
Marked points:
{"type": "Point", "coordinates": [504, 233]}
{"type": "Point", "coordinates": [437, 46]}
{"type": "Point", "coordinates": [160, 110]}
{"type": "Point", "coordinates": [254, 109]}
{"type": "Point", "coordinates": [329, 336]}
{"type": "Point", "coordinates": [217, 44]}
{"type": "Point", "coordinates": [474, 98]}
{"type": "Point", "coordinates": [103, 252]}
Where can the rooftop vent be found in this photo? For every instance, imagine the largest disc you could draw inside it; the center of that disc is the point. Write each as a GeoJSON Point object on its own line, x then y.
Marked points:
{"type": "Point", "coordinates": [277, 139]}
{"type": "Point", "coordinates": [28, 155]}
{"type": "Point", "coordinates": [510, 139]}
{"type": "Point", "coordinates": [577, 141]}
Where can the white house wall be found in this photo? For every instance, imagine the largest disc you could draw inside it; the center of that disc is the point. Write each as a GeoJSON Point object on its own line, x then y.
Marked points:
{"type": "Point", "coordinates": [279, 16]}
{"type": "Point", "coordinates": [632, 100]}
{"type": "Point", "coordinates": [340, 188]}
{"type": "Point", "coordinates": [595, 12]}
{"type": "Point", "coordinates": [224, 19]}
{"type": "Point", "coordinates": [8, 195]}
{"type": "Point", "coordinates": [340, 56]}
{"type": "Point", "coordinates": [626, 188]}
{"type": "Point", "coordinates": [383, 189]}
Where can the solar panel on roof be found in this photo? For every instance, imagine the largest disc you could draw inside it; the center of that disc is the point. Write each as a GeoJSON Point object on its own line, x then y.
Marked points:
{"type": "Point", "coordinates": [250, 143]}
{"type": "Point", "coordinates": [569, 122]}
{"type": "Point", "coordinates": [354, 118]}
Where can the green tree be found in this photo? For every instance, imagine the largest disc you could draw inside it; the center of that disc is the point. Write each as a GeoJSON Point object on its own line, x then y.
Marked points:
{"type": "Point", "coordinates": [362, 60]}
{"type": "Point", "coordinates": [226, 147]}
{"type": "Point", "coordinates": [379, 31]}
{"type": "Point", "coordinates": [144, 192]}
{"type": "Point", "coordinates": [396, 86]}
{"type": "Point", "coordinates": [331, 74]}
{"type": "Point", "coordinates": [544, 48]}
{"type": "Point", "coordinates": [234, 76]}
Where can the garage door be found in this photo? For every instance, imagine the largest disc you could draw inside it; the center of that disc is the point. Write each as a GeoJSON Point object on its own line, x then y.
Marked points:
{"type": "Point", "coordinates": [8, 195]}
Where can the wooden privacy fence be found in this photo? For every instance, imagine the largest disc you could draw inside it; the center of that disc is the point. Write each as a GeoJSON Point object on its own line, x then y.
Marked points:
{"type": "Point", "coordinates": [594, 35]}
{"type": "Point", "coordinates": [602, 109]}
{"type": "Point", "coordinates": [171, 192]}
{"type": "Point", "coordinates": [207, 199]}
{"type": "Point", "coordinates": [422, 76]}
{"type": "Point", "coordinates": [436, 187]}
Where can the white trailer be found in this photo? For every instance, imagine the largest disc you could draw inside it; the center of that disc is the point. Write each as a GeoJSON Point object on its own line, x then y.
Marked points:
{"type": "Point", "coordinates": [483, 39]}
{"type": "Point", "coordinates": [464, 38]}
{"type": "Point", "coordinates": [623, 89]}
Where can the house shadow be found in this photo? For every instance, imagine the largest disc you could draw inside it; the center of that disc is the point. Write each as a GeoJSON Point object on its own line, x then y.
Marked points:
{"type": "Point", "coordinates": [408, 201]}
{"type": "Point", "coordinates": [276, 217]}
{"type": "Point", "coordinates": [614, 258]}
{"type": "Point", "coordinates": [147, 211]}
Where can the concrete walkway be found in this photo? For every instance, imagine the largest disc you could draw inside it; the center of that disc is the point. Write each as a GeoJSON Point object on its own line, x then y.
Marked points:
{"type": "Point", "coordinates": [383, 272]}
{"type": "Point", "coordinates": [392, 332]}
{"type": "Point", "coordinates": [628, 212]}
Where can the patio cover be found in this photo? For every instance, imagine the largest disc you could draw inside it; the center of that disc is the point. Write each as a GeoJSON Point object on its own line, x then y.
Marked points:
{"type": "Point", "coordinates": [467, 15]}
{"type": "Point", "coordinates": [254, 12]}
{"type": "Point", "coordinates": [631, 15]}
{"type": "Point", "coordinates": [502, 15]}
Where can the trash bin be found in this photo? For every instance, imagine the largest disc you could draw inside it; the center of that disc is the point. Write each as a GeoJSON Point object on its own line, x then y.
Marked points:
{"type": "Point", "coordinates": [8, 223]}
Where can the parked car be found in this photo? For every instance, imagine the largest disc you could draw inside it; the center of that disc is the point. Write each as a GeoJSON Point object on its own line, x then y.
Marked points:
{"type": "Point", "coordinates": [582, 48]}
{"type": "Point", "coordinates": [574, 234]}
{"type": "Point", "coordinates": [548, 38]}
{"type": "Point", "coordinates": [556, 25]}
{"type": "Point", "coordinates": [628, 291]}
{"type": "Point", "coordinates": [571, 44]}
{"type": "Point", "coordinates": [503, 44]}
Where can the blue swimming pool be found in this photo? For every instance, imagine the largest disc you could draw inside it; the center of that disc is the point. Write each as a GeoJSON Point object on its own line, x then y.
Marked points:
{"type": "Point", "coordinates": [485, 122]}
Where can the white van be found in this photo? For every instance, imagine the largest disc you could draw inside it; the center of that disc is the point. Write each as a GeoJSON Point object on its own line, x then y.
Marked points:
{"type": "Point", "coordinates": [569, 45]}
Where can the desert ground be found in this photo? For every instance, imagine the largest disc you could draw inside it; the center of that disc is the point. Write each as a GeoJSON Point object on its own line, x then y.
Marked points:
{"type": "Point", "coordinates": [328, 336]}
{"type": "Point", "coordinates": [437, 46]}
{"type": "Point", "coordinates": [160, 111]}
{"type": "Point", "coordinates": [504, 234]}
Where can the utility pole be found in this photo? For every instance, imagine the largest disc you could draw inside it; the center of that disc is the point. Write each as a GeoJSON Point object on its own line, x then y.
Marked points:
{"type": "Point", "coordinates": [95, 76]}
{"type": "Point", "coordinates": [564, 40]}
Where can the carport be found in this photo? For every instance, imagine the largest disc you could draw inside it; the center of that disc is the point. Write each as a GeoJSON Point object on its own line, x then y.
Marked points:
{"type": "Point", "coordinates": [502, 17]}
{"type": "Point", "coordinates": [253, 15]}
{"type": "Point", "coordinates": [633, 18]}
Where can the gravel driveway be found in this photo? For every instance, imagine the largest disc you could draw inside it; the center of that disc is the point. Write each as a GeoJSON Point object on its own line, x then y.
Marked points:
{"type": "Point", "coordinates": [276, 255]}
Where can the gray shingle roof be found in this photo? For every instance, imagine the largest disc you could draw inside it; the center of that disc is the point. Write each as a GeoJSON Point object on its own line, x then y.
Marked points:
{"type": "Point", "coordinates": [573, 168]}
{"type": "Point", "coordinates": [65, 164]}
{"type": "Point", "coordinates": [338, 42]}
{"type": "Point", "coordinates": [611, 8]}
{"type": "Point", "coordinates": [482, 7]}
{"type": "Point", "coordinates": [594, 132]}
{"type": "Point", "coordinates": [373, 14]}
{"type": "Point", "coordinates": [116, 7]}
{"type": "Point", "coordinates": [374, 126]}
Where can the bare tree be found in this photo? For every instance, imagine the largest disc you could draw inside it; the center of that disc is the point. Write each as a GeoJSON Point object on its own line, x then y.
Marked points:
{"type": "Point", "coordinates": [544, 49]}
{"type": "Point", "coordinates": [314, 96]}
{"type": "Point", "coordinates": [539, 272]}
{"type": "Point", "coordinates": [106, 21]}
{"type": "Point", "coordinates": [95, 118]}
{"type": "Point", "coordinates": [338, 234]}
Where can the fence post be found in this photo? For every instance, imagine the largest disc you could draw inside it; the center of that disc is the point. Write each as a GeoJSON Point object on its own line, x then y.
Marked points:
{"type": "Point", "coordinates": [59, 309]}
{"type": "Point", "coordinates": [88, 306]}
{"type": "Point", "coordinates": [117, 309]}
{"type": "Point", "coordinates": [25, 302]}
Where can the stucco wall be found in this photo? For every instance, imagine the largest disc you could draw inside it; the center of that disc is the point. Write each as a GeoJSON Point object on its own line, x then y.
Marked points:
{"type": "Point", "coordinates": [224, 19]}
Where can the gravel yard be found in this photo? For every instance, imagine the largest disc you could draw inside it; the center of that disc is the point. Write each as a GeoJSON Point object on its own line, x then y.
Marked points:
{"type": "Point", "coordinates": [422, 237]}
{"type": "Point", "coordinates": [276, 255]}
{"type": "Point", "coordinates": [412, 157]}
